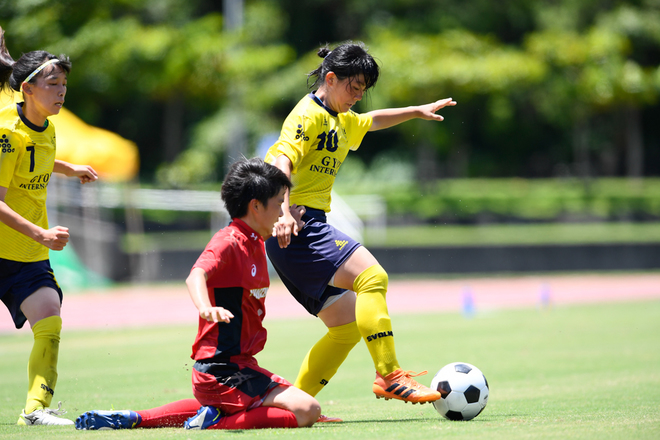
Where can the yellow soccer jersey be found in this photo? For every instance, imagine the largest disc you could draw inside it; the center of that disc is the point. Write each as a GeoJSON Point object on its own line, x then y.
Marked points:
{"type": "Point", "coordinates": [26, 163]}
{"type": "Point", "coordinates": [316, 140]}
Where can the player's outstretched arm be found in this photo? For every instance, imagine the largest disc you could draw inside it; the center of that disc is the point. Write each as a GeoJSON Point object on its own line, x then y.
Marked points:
{"type": "Point", "coordinates": [84, 172]}
{"type": "Point", "coordinates": [198, 291]}
{"type": "Point", "coordinates": [389, 117]}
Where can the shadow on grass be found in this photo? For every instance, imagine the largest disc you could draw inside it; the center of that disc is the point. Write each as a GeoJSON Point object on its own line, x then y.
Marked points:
{"type": "Point", "coordinates": [438, 419]}
{"type": "Point", "coordinates": [351, 422]}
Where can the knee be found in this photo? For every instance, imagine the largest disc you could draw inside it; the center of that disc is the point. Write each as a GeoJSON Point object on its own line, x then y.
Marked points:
{"type": "Point", "coordinates": [43, 303]}
{"type": "Point", "coordinates": [371, 279]}
{"type": "Point", "coordinates": [43, 313]}
{"type": "Point", "coordinates": [308, 412]}
{"type": "Point", "coordinates": [348, 334]}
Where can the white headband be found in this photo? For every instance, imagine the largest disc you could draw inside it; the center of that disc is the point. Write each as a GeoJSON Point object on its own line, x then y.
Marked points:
{"type": "Point", "coordinates": [40, 68]}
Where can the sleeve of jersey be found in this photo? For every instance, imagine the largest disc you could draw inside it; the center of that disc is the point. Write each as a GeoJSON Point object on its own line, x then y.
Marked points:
{"type": "Point", "coordinates": [214, 258]}
{"type": "Point", "coordinates": [299, 134]}
{"type": "Point", "coordinates": [10, 152]}
{"type": "Point", "coordinates": [358, 128]}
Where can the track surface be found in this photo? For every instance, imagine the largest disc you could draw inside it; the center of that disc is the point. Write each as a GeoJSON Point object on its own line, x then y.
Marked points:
{"type": "Point", "coordinates": [140, 305]}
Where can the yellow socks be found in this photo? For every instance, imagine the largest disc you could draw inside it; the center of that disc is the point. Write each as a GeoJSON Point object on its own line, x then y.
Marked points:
{"type": "Point", "coordinates": [325, 357]}
{"type": "Point", "coordinates": [372, 323]}
{"type": "Point", "coordinates": [373, 320]}
{"type": "Point", "coordinates": [42, 365]}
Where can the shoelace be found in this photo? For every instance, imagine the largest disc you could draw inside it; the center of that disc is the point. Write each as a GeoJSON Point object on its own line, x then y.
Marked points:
{"type": "Point", "coordinates": [56, 412]}
{"type": "Point", "coordinates": [410, 373]}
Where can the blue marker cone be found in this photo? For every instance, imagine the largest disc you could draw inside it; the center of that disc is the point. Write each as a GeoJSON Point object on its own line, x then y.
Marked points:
{"type": "Point", "coordinates": [545, 297]}
{"type": "Point", "coordinates": [468, 306]}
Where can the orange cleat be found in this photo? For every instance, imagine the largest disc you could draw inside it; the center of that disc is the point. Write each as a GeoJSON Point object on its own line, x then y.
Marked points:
{"type": "Point", "coordinates": [400, 385]}
{"type": "Point", "coordinates": [326, 419]}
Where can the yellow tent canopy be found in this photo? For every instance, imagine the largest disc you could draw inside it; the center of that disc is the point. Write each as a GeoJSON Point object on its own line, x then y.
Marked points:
{"type": "Point", "coordinates": [115, 159]}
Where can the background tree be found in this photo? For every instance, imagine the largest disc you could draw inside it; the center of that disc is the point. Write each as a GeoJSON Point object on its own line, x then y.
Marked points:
{"type": "Point", "coordinates": [568, 87]}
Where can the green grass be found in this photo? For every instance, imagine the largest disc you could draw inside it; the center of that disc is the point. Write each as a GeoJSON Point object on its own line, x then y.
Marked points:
{"type": "Point", "coordinates": [581, 372]}
{"type": "Point", "coordinates": [520, 234]}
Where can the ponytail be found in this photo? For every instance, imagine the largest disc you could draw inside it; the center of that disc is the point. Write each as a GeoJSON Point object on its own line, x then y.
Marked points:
{"type": "Point", "coordinates": [6, 62]}
{"type": "Point", "coordinates": [346, 61]}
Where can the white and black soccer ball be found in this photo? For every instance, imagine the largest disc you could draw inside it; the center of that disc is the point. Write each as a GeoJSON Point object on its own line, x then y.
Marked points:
{"type": "Point", "coordinates": [464, 390]}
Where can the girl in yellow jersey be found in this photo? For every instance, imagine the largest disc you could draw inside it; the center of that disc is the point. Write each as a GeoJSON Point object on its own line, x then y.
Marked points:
{"type": "Point", "coordinates": [27, 159]}
{"type": "Point", "coordinates": [330, 274]}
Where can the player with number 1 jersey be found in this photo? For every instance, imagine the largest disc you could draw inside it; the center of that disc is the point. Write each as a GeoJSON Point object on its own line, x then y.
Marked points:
{"type": "Point", "coordinates": [28, 287]}
{"type": "Point", "coordinates": [26, 163]}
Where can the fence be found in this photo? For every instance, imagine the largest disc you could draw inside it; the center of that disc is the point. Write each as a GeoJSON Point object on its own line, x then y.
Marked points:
{"type": "Point", "coordinates": [99, 239]}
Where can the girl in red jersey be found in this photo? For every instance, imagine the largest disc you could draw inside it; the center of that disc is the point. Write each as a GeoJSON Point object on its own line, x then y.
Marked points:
{"type": "Point", "coordinates": [228, 285]}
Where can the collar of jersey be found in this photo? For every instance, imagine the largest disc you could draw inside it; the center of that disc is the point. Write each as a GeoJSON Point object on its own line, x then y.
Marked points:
{"type": "Point", "coordinates": [316, 99]}
{"type": "Point", "coordinates": [246, 230]}
{"type": "Point", "coordinates": [25, 120]}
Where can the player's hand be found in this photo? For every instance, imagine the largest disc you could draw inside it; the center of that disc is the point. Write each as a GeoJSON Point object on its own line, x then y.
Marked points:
{"type": "Point", "coordinates": [285, 226]}
{"type": "Point", "coordinates": [55, 238]}
{"type": "Point", "coordinates": [84, 172]}
{"type": "Point", "coordinates": [297, 212]}
{"type": "Point", "coordinates": [428, 111]}
{"type": "Point", "coordinates": [216, 314]}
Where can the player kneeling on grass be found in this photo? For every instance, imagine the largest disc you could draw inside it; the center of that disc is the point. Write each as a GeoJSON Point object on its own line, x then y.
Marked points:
{"type": "Point", "coordinates": [228, 285]}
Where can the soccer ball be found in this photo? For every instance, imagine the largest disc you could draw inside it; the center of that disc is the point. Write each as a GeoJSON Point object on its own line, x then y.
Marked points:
{"type": "Point", "coordinates": [464, 390]}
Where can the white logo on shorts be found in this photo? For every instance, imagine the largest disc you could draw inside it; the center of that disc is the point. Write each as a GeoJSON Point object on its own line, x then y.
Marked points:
{"type": "Point", "coordinates": [254, 269]}
{"type": "Point", "coordinates": [259, 293]}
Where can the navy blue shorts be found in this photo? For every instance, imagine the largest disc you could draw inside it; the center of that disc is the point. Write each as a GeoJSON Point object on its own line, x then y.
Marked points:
{"type": "Point", "coordinates": [308, 264]}
{"type": "Point", "coordinates": [19, 280]}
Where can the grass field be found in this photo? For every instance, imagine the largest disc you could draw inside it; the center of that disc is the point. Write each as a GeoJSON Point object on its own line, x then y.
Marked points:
{"type": "Point", "coordinates": [580, 372]}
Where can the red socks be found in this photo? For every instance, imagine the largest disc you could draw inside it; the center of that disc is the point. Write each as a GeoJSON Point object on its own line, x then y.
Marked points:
{"type": "Point", "coordinates": [258, 418]}
{"type": "Point", "coordinates": [171, 415]}
{"type": "Point", "coordinates": [174, 414]}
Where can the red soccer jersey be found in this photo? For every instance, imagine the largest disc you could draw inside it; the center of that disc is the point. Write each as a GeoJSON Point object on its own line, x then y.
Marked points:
{"type": "Point", "coordinates": [235, 263]}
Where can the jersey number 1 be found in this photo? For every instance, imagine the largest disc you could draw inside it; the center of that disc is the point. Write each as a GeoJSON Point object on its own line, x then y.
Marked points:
{"type": "Point", "coordinates": [31, 150]}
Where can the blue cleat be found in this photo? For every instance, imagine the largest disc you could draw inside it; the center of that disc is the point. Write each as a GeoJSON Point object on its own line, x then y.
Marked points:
{"type": "Point", "coordinates": [206, 416]}
{"type": "Point", "coordinates": [92, 420]}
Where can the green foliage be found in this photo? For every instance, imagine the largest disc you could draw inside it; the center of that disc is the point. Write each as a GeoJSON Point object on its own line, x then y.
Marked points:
{"type": "Point", "coordinates": [488, 234]}
{"type": "Point", "coordinates": [527, 75]}
{"type": "Point", "coordinates": [455, 59]}
{"type": "Point", "coordinates": [475, 200]}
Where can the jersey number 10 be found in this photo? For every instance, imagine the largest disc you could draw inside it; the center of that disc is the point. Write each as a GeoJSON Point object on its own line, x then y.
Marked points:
{"type": "Point", "coordinates": [329, 141]}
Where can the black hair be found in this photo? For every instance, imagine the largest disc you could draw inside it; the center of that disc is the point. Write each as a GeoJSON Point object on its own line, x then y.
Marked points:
{"type": "Point", "coordinates": [250, 179]}
{"type": "Point", "coordinates": [347, 60]}
{"type": "Point", "coordinates": [13, 73]}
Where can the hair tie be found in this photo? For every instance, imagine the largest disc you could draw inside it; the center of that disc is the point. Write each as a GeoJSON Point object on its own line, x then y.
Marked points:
{"type": "Point", "coordinates": [39, 69]}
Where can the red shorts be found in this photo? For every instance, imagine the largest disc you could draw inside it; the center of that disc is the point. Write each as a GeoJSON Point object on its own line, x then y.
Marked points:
{"type": "Point", "coordinates": [233, 387]}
